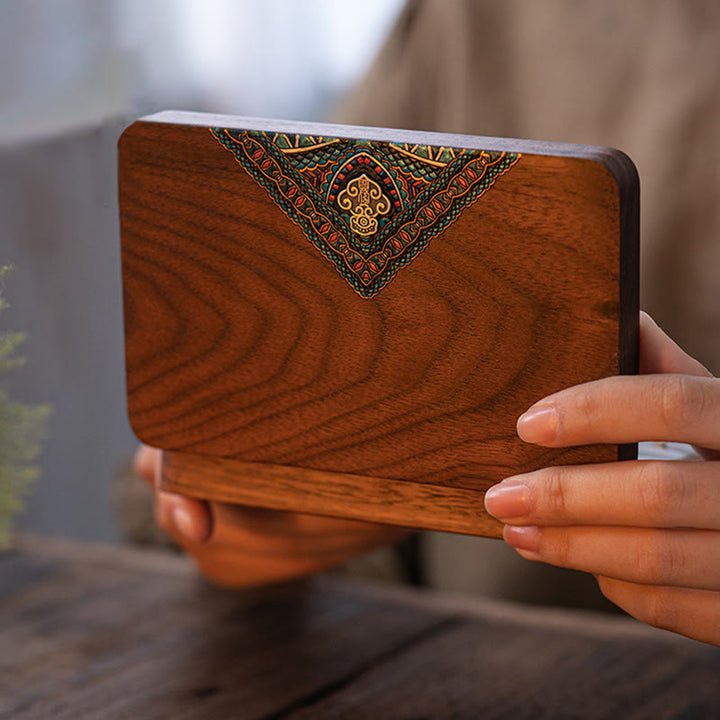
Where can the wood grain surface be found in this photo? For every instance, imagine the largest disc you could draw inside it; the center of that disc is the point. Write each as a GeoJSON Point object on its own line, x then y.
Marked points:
{"type": "Point", "coordinates": [243, 342]}
{"type": "Point", "coordinates": [359, 497]}
{"type": "Point", "coordinates": [101, 633]}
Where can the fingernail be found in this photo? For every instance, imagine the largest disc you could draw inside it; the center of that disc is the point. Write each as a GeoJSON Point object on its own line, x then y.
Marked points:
{"type": "Point", "coordinates": [522, 537]}
{"type": "Point", "coordinates": [538, 424]}
{"type": "Point", "coordinates": [509, 499]}
{"type": "Point", "coordinates": [183, 522]}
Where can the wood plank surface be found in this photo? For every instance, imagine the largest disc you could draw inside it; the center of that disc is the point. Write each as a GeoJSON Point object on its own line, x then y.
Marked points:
{"type": "Point", "coordinates": [244, 342]}
{"type": "Point", "coordinates": [91, 637]}
{"type": "Point", "coordinates": [106, 633]}
{"type": "Point", "coordinates": [481, 669]}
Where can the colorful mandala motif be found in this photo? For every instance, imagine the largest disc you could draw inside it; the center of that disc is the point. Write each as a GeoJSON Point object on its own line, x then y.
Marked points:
{"type": "Point", "coordinates": [369, 207]}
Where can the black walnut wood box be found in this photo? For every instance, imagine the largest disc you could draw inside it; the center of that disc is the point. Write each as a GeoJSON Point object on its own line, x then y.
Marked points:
{"type": "Point", "coordinates": [348, 321]}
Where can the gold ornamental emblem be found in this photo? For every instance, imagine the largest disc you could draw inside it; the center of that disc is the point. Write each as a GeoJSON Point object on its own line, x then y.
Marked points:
{"type": "Point", "coordinates": [364, 198]}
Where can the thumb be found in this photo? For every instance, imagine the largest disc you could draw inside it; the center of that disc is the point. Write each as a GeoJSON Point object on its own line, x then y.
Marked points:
{"type": "Point", "coordinates": [660, 354]}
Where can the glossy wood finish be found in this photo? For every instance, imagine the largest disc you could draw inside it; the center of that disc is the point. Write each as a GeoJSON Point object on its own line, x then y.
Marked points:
{"type": "Point", "coordinates": [108, 633]}
{"type": "Point", "coordinates": [244, 343]}
{"type": "Point", "coordinates": [422, 505]}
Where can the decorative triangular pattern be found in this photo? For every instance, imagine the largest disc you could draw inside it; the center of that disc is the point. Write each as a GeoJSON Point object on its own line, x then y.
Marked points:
{"type": "Point", "coordinates": [369, 207]}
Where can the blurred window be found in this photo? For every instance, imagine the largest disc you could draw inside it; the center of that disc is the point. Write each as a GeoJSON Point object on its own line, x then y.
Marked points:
{"type": "Point", "coordinates": [69, 64]}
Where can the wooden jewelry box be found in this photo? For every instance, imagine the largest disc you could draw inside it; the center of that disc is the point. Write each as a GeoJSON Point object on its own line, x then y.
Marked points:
{"type": "Point", "coordinates": [348, 321]}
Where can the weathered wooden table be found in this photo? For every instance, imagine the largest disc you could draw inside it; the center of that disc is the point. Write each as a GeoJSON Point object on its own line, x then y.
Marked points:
{"type": "Point", "coordinates": [96, 632]}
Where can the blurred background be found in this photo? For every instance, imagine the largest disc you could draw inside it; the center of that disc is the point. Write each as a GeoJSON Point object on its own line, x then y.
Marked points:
{"type": "Point", "coordinates": [641, 76]}
{"type": "Point", "coordinates": [73, 74]}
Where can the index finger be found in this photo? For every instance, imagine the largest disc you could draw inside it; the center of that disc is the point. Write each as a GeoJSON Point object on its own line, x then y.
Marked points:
{"type": "Point", "coordinates": [627, 409]}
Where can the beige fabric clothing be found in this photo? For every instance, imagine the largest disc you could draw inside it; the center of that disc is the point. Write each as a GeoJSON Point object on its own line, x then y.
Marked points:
{"type": "Point", "coordinates": [640, 75]}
